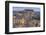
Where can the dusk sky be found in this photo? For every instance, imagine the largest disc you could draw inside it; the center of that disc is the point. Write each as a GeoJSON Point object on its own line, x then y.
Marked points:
{"type": "Point", "coordinates": [22, 8]}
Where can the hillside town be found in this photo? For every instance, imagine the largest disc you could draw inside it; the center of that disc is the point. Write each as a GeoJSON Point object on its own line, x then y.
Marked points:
{"type": "Point", "coordinates": [26, 18]}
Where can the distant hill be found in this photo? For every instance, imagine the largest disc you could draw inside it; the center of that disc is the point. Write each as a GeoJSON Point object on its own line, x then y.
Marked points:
{"type": "Point", "coordinates": [37, 15]}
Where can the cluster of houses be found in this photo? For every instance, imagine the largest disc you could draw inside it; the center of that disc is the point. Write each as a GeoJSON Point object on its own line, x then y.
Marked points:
{"type": "Point", "coordinates": [25, 18]}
